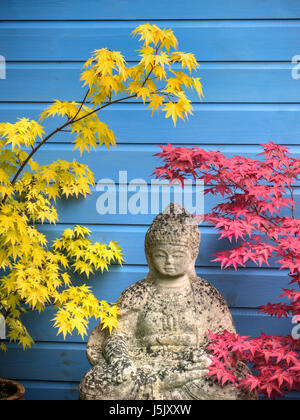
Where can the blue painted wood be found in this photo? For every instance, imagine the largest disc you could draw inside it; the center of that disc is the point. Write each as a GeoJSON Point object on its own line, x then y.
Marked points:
{"type": "Point", "coordinates": [242, 289]}
{"type": "Point", "coordinates": [67, 362]}
{"type": "Point", "coordinates": [43, 391]}
{"type": "Point", "coordinates": [253, 40]}
{"type": "Point", "coordinates": [45, 361]}
{"type": "Point", "coordinates": [223, 82]}
{"type": "Point", "coordinates": [71, 210]}
{"type": "Point", "coordinates": [157, 9]}
{"type": "Point", "coordinates": [218, 124]}
{"type": "Point", "coordinates": [137, 160]}
{"type": "Point", "coordinates": [131, 240]}
{"type": "Point", "coordinates": [245, 49]}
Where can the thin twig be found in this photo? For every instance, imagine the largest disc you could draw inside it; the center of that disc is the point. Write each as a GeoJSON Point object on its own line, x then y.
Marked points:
{"type": "Point", "coordinates": [81, 105]}
{"type": "Point", "coordinates": [72, 121]}
{"type": "Point", "coordinates": [292, 197]}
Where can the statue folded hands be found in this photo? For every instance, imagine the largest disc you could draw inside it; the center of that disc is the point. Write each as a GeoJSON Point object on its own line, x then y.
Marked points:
{"type": "Point", "coordinates": [159, 350]}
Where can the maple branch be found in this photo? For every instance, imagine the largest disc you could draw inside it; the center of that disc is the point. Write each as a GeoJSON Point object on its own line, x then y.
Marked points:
{"type": "Point", "coordinates": [8, 311]}
{"type": "Point", "coordinates": [102, 107]}
{"type": "Point", "coordinates": [72, 121]}
{"type": "Point", "coordinates": [292, 197]}
{"type": "Point", "coordinates": [256, 209]}
{"type": "Point", "coordinates": [274, 360]}
{"type": "Point", "coordinates": [68, 123]}
{"type": "Point", "coordinates": [81, 105]}
{"type": "Point", "coordinates": [153, 67]}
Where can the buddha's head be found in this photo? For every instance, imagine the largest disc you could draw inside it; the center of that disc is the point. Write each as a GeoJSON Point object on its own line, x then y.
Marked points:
{"type": "Point", "coordinates": [172, 243]}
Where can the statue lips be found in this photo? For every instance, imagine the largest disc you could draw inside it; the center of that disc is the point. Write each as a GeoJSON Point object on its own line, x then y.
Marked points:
{"type": "Point", "coordinates": [169, 269]}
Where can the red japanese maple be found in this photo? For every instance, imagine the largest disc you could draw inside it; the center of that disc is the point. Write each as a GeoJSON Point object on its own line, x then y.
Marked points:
{"type": "Point", "coordinates": [255, 193]}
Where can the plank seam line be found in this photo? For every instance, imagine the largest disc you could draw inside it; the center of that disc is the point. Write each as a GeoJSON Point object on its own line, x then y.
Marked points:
{"type": "Point", "coordinates": [281, 19]}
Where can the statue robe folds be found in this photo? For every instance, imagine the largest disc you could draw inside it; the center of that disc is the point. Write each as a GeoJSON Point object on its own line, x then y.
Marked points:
{"type": "Point", "coordinates": [159, 351]}
{"type": "Point", "coordinates": [161, 338]}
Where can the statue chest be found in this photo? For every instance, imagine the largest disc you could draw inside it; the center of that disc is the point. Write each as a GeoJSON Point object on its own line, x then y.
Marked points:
{"type": "Point", "coordinates": [168, 318]}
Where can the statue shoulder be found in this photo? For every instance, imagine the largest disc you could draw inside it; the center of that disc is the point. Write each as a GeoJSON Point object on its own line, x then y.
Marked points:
{"type": "Point", "coordinates": [206, 291]}
{"type": "Point", "coordinates": [134, 296]}
{"type": "Point", "coordinates": [208, 297]}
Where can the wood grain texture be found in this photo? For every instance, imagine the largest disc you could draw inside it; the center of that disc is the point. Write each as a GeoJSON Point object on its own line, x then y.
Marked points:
{"type": "Point", "coordinates": [251, 40]}
{"type": "Point", "coordinates": [218, 124]}
{"type": "Point", "coordinates": [66, 362]}
{"type": "Point", "coordinates": [245, 49]}
{"type": "Point", "coordinates": [222, 82]}
{"type": "Point", "coordinates": [157, 9]}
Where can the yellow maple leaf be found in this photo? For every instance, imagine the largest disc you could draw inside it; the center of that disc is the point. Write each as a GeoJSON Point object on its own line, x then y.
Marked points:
{"type": "Point", "coordinates": [109, 322]}
{"type": "Point", "coordinates": [155, 102]}
{"type": "Point", "coordinates": [174, 110]}
{"type": "Point", "coordinates": [113, 311]}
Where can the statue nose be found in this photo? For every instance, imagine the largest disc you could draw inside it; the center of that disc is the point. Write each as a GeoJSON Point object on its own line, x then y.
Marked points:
{"type": "Point", "coordinates": [170, 259]}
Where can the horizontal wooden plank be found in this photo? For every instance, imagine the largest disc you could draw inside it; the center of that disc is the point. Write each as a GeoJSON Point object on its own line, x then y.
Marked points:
{"type": "Point", "coordinates": [127, 209]}
{"type": "Point", "coordinates": [155, 200]}
{"type": "Point", "coordinates": [132, 164]}
{"type": "Point", "coordinates": [158, 9]}
{"type": "Point", "coordinates": [45, 361]}
{"type": "Point", "coordinates": [244, 288]}
{"type": "Point", "coordinates": [254, 40]}
{"type": "Point", "coordinates": [240, 124]}
{"type": "Point", "coordinates": [250, 323]}
{"type": "Point", "coordinates": [67, 361]}
{"type": "Point", "coordinates": [138, 161]}
{"type": "Point", "coordinates": [291, 396]}
{"type": "Point", "coordinates": [223, 82]}
{"type": "Point", "coordinates": [47, 391]}
{"type": "Point", "coordinates": [233, 32]}
{"type": "Point", "coordinates": [131, 240]}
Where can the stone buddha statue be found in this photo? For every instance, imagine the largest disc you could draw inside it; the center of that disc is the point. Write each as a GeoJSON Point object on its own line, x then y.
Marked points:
{"type": "Point", "coordinates": [158, 351]}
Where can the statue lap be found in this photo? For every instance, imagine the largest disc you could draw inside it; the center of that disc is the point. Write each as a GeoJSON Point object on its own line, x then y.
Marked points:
{"type": "Point", "coordinates": [170, 361]}
{"type": "Point", "coordinates": [159, 350]}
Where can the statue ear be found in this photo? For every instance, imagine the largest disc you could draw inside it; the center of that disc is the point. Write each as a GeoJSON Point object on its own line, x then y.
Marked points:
{"type": "Point", "coordinates": [148, 256]}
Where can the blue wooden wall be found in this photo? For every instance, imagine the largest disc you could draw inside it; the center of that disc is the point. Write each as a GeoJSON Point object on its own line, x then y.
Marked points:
{"type": "Point", "coordinates": [245, 49]}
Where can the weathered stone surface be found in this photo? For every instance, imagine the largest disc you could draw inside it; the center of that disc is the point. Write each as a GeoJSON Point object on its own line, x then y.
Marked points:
{"type": "Point", "coordinates": [159, 349]}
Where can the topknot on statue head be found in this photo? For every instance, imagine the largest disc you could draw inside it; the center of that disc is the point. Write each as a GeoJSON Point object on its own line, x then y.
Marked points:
{"type": "Point", "coordinates": [174, 226]}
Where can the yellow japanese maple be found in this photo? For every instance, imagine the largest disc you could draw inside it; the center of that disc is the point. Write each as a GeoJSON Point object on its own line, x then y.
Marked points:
{"type": "Point", "coordinates": [34, 272]}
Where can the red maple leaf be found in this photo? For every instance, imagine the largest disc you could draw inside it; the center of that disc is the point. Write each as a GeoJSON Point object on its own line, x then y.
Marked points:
{"type": "Point", "coordinates": [254, 193]}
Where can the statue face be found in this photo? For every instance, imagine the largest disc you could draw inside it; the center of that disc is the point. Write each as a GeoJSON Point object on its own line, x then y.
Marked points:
{"type": "Point", "coordinates": [171, 260]}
